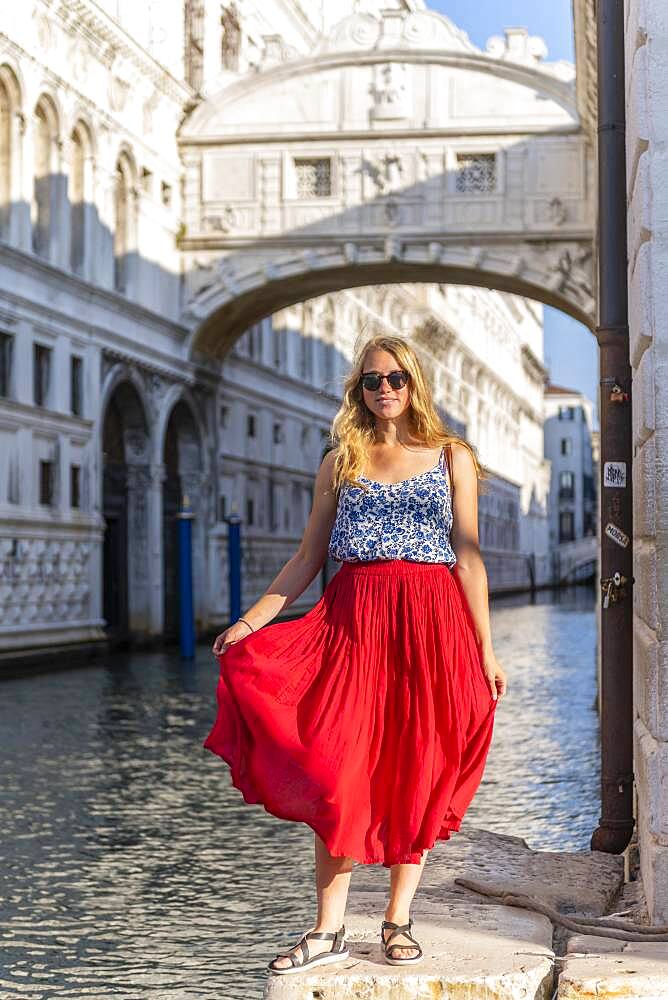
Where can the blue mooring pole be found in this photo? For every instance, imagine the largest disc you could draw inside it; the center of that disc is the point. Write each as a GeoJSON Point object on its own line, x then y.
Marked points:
{"type": "Point", "coordinates": [186, 612]}
{"type": "Point", "coordinates": [234, 564]}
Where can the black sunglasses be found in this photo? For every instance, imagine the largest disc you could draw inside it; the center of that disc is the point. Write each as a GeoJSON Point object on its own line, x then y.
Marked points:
{"type": "Point", "coordinates": [372, 380]}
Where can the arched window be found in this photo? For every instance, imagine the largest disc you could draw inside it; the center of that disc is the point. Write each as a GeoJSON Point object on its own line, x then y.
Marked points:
{"type": "Point", "coordinates": [77, 193]}
{"type": "Point", "coordinates": [5, 158]}
{"type": "Point", "coordinates": [10, 104]}
{"type": "Point", "coordinates": [123, 222]}
{"type": "Point", "coordinates": [44, 138]}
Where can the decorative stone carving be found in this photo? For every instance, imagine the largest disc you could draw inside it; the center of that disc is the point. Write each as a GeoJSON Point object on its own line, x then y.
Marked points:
{"type": "Point", "coordinates": [386, 173]}
{"type": "Point", "coordinates": [44, 32]}
{"type": "Point", "coordinates": [427, 29]}
{"type": "Point", "coordinates": [222, 223]}
{"type": "Point", "coordinates": [517, 46]}
{"type": "Point", "coordinates": [396, 29]}
{"type": "Point", "coordinates": [107, 362]}
{"type": "Point", "coordinates": [79, 60]}
{"type": "Point", "coordinates": [359, 31]}
{"type": "Point", "coordinates": [391, 95]}
{"type": "Point", "coordinates": [230, 40]}
{"type": "Point", "coordinates": [557, 212]}
{"type": "Point", "coordinates": [276, 51]}
{"type": "Point", "coordinates": [148, 111]}
{"type": "Point", "coordinates": [44, 580]}
{"type": "Point", "coordinates": [120, 83]}
{"type": "Point", "coordinates": [572, 272]}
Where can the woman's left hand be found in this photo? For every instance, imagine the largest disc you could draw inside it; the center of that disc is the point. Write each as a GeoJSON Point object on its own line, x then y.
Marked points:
{"type": "Point", "coordinates": [496, 677]}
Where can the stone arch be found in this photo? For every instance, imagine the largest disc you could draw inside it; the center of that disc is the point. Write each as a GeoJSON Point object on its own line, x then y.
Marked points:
{"type": "Point", "coordinates": [226, 304]}
{"type": "Point", "coordinates": [183, 480]}
{"type": "Point", "coordinates": [124, 220]}
{"type": "Point", "coordinates": [80, 193]}
{"type": "Point", "coordinates": [125, 449]}
{"type": "Point", "coordinates": [378, 182]}
{"type": "Point", "coordinates": [44, 207]}
{"type": "Point", "coordinates": [10, 146]}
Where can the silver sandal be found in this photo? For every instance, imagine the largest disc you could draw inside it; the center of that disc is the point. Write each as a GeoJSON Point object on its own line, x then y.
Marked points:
{"type": "Point", "coordinates": [339, 951]}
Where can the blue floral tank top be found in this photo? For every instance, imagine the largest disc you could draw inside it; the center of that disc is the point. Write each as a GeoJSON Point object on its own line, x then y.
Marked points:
{"type": "Point", "coordinates": [409, 520]}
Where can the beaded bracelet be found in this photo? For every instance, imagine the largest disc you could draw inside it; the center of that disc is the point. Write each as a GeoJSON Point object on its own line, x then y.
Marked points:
{"type": "Point", "coordinates": [246, 623]}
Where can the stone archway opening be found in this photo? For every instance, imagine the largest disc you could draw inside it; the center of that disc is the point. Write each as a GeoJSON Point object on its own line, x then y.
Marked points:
{"type": "Point", "coordinates": [224, 310]}
{"type": "Point", "coordinates": [125, 473]}
{"type": "Point", "coordinates": [182, 483]}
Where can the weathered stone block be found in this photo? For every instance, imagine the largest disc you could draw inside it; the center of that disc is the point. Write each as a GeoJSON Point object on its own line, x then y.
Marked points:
{"type": "Point", "coordinates": [643, 403]}
{"type": "Point", "coordinates": [637, 128]}
{"type": "Point", "coordinates": [660, 361]}
{"type": "Point", "coordinates": [659, 270]}
{"type": "Point", "coordinates": [654, 872]}
{"type": "Point", "coordinates": [657, 157]}
{"type": "Point", "coordinates": [644, 490]}
{"type": "Point", "coordinates": [645, 657]}
{"type": "Point", "coordinates": [660, 437]}
{"type": "Point", "coordinates": [640, 208]}
{"type": "Point", "coordinates": [641, 303]}
{"type": "Point", "coordinates": [650, 765]}
{"type": "Point", "coordinates": [645, 587]}
{"type": "Point", "coordinates": [604, 968]}
{"type": "Point", "coordinates": [636, 29]}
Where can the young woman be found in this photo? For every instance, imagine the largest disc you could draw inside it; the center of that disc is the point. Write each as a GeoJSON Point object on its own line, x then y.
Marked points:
{"type": "Point", "coordinates": [371, 716]}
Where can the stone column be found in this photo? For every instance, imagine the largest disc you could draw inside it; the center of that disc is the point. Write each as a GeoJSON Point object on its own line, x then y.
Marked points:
{"type": "Point", "coordinates": [193, 485]}
{"type": "Point", "coordinates": [647, 178]}
{"type": "Point", "coordinates": [139, 483]}
{"type": "Point", "coordinates": [156, 581]}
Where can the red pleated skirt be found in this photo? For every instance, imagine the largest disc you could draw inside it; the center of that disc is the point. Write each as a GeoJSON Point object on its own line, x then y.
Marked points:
{"type": "Point", "coordinates": [369, 718]}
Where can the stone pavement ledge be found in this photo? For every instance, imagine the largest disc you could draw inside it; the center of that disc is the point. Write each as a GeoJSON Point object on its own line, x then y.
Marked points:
{"type": "Point", "coordinates": [600, 967]}
{"type": "Point", "coordinates": [474, 949]}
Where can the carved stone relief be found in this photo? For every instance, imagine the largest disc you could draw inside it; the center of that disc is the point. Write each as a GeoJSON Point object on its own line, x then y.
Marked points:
{"type": "Point", "coordinates": [391, 92]}
{"type": "Point", "coordinates": [224, 222]}
{"type": "Point", "coordinates": [44, 580]}
{"type": "Point", "coordinates": [120, 83]}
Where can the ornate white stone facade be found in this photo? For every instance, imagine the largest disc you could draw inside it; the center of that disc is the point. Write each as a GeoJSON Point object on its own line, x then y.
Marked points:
{"type": "Point", "coordinates": [435, 161]}
{"type": "Point", "coordinates": [111, 405]}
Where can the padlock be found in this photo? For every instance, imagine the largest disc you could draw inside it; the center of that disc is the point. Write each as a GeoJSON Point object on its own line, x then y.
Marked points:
{"type": "Point", "coordinates": [613, 588]}
{"type": "Point", "coordinates": [617, 394]}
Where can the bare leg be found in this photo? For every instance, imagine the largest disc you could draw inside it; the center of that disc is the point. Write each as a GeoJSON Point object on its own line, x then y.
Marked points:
{"type": "Point", "coordinates": [404, 880]}
{"type": "Point", "coordinates": [332, 881]}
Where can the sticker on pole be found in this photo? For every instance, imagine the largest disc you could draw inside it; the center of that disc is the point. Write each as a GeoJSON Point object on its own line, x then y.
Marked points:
{"type": "Point", "coordinates": [617, 535]}
{"type": "Point", "coordinates": [614, 474]}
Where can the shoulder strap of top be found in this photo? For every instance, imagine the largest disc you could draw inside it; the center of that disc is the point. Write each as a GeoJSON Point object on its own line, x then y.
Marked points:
{"type": "Point", "coordinates": [448, 459]}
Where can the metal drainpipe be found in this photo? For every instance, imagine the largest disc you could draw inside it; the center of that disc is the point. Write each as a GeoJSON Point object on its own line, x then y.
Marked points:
{"type": "Point", "coordinates": [616, 696]}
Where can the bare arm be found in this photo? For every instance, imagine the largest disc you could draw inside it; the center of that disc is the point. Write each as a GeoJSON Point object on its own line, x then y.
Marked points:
{"type": "Point", "coordinates": [470, 568]}
{"type": "Point", "coordinates": [301, 569]}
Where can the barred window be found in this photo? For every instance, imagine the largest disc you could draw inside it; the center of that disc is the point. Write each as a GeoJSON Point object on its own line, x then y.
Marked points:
{"type": "Point", "coordinates": [476, 173]}
{"type": "Point", "coordinates": [314, 178]}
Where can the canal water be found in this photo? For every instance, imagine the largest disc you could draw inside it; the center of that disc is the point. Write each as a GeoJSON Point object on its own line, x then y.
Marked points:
{"type": "Point", "coordinates": [131, 867]}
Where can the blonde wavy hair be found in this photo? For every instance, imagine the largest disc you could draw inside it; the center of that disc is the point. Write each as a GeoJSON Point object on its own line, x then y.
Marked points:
{"type": "Point", "coordinates": [353, 427]}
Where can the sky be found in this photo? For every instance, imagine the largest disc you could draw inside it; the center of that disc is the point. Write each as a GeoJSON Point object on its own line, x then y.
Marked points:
{"type": "Point", "coordinates": [565, 339]}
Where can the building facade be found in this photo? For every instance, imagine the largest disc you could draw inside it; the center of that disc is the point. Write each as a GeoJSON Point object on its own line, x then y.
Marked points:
{"type": "Point", "coordinates": [569, 448]}
{"type": "Point", "coordinates": [107, 418]}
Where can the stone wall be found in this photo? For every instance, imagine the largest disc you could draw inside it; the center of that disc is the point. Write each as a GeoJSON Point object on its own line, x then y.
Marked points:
{"type": "Point", "coordinates": [647, 166]}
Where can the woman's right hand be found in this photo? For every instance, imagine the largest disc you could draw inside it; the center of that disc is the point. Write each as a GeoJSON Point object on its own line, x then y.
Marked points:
{"type": "Point", "coordinates": [230, 636]}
